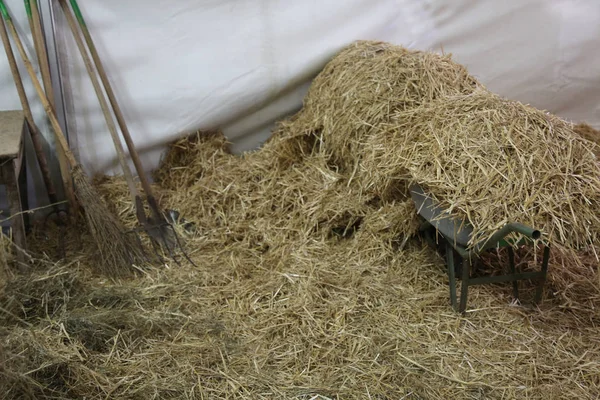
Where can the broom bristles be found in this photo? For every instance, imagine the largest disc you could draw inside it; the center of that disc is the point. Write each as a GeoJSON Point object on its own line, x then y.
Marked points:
{"type": "Point", "coordinates": [118, 251]}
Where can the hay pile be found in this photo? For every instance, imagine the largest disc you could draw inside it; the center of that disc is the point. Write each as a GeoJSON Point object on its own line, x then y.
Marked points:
{"type": "Point", "coordinates": [389, 117]}
{"type": "Point", "coordinates": [363, 85]}
{"type": "Point", "coordinates": [309, 283]}
{"type": "Point", "coordinates": [493, 161]}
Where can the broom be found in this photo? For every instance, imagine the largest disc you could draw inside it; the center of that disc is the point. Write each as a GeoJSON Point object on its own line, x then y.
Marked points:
{"type": "Point", "coordinates": [118, 251]}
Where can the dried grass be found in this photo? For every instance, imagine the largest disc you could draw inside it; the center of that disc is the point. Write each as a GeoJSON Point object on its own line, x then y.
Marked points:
{"type": "Point", "coordinates": [309, 284]}
{"type": "Point", "coordinates": [5, 257]}
{"type": "Point", "coordinates": [493, 161]}
{"type": "Point", "coordinates": [589, 133]}
{"type": "Point", "coordinates": [363, 86]}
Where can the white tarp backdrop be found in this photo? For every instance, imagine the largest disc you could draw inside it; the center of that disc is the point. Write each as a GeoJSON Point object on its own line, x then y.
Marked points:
{"type": "Point", "coordinates": [179, 66]}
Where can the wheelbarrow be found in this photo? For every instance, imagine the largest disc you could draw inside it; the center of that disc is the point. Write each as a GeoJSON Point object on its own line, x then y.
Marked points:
{"type": "Point", "coordinates": [454, 234]}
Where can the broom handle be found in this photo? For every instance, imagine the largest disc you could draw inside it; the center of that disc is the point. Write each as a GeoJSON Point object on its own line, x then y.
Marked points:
{"type": "Point", "coordinates": [113, 101]}
{"type": "Point", "coordinates": [103, 104]}
{"type": "Point", "coordinates": [34, 131]}
{"type": "Point", "coordinates": [31, 6]}
{"type": "Point", "coordinates": [40, 47]}
{"type": "Point", "coordinates": [36, 84]}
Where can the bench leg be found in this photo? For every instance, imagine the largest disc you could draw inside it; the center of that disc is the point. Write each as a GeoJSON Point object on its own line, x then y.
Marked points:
{"type": "Point", "coordinates": [451, 275]}
{"type": "Point", "coordinates": [541, 282]}
{"type": "Point", "coordinates": [464, 291]}
{"type": "Point", "coordinates": [513, 270]}
{"type": "Point", "coordinates": [22, 179]}
{"type": "Point", "coordinates": [14, 203]}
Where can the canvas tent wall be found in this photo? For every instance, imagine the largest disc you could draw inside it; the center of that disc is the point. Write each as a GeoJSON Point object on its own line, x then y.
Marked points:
{"type": "Point", "coordinates": [242, 65]}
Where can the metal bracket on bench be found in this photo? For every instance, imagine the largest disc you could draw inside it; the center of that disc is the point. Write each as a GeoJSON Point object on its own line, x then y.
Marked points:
{"type": "Point", "coordinates": [457, 234]}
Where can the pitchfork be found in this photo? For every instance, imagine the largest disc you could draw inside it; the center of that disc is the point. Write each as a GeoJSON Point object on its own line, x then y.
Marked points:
{"type": "Point", "coordinates": [156, 225]}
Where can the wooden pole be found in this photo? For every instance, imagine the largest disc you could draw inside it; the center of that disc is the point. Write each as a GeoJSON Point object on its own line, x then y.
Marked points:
{"type": "Point", "coordinates": [62, 141]}
{"type": "Point", "coordinates": [34, 131]}
{"type": "Point", "coordinates": [118, 113]}
{"type": "Point", "coordinates": [33, 16]}
{"type": "Point", "coordinates": [102, 99]}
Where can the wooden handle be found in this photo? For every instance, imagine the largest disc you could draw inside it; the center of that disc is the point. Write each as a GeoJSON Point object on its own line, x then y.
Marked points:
{"type": "Point", "coordinates": [33, 128]}
{"type": "Point", "coordinates": [38, 88]}
{"type": "Point", "coordinates": [40, 48]}
{"type": "Point", "coordinates": [103, 103]}
{"type": "Point", "coordinates": [113, 100]}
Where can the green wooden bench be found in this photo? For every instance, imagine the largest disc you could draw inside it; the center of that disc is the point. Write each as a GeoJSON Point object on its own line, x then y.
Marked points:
{"type": "Point", "coordinates": [455, 235]}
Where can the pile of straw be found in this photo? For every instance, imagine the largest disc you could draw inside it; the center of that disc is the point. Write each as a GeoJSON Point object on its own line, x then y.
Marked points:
{"type": "Point", "coordinates": [361, 88]}
{"type": "Point", "coordinates": [389, 117]}
{"type": "Point", "coordinates": [310, 283]}
{"type": "Point", "coordinates": [493, 161]}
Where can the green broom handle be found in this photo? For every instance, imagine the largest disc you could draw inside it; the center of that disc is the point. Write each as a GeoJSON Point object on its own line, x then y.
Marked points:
{"type": "Point", "coordinates": [4, 12]}
{"type": "Point", "coordinates": [101, 99]}
{"type": "Point", "coordinates": [28, 8]}
{"type": "Point", "coordinates": [77, 12]}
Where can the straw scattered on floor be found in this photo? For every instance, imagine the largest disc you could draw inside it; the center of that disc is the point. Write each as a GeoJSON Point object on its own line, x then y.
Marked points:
{"type": "Point", "coordinates": [309, 280]}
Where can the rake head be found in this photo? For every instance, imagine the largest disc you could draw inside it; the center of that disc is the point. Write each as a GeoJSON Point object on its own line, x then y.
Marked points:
{"type": "Point", "coordinates": [161, 231]}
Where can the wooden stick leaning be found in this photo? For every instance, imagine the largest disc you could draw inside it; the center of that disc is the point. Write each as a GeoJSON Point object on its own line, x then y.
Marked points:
{"type": "Point", "coordinates": [36, 136]}
{"type": "Point", "coordinates": [135, 194]}
{"type": "Point", "coordinates": [118, 251]}
{"type": "Point", "coordinates": [38, 147]}
{"type": "Point", "coordinates": [118, 113]}
{"type": "Point", "coordinates": [33, 16]}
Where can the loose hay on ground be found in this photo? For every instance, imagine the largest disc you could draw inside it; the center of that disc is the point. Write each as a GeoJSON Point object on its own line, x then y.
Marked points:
{"type": "Point", "coordinates": [307, 281]}
{"type": "Point", "coordinates": [324, 320]}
